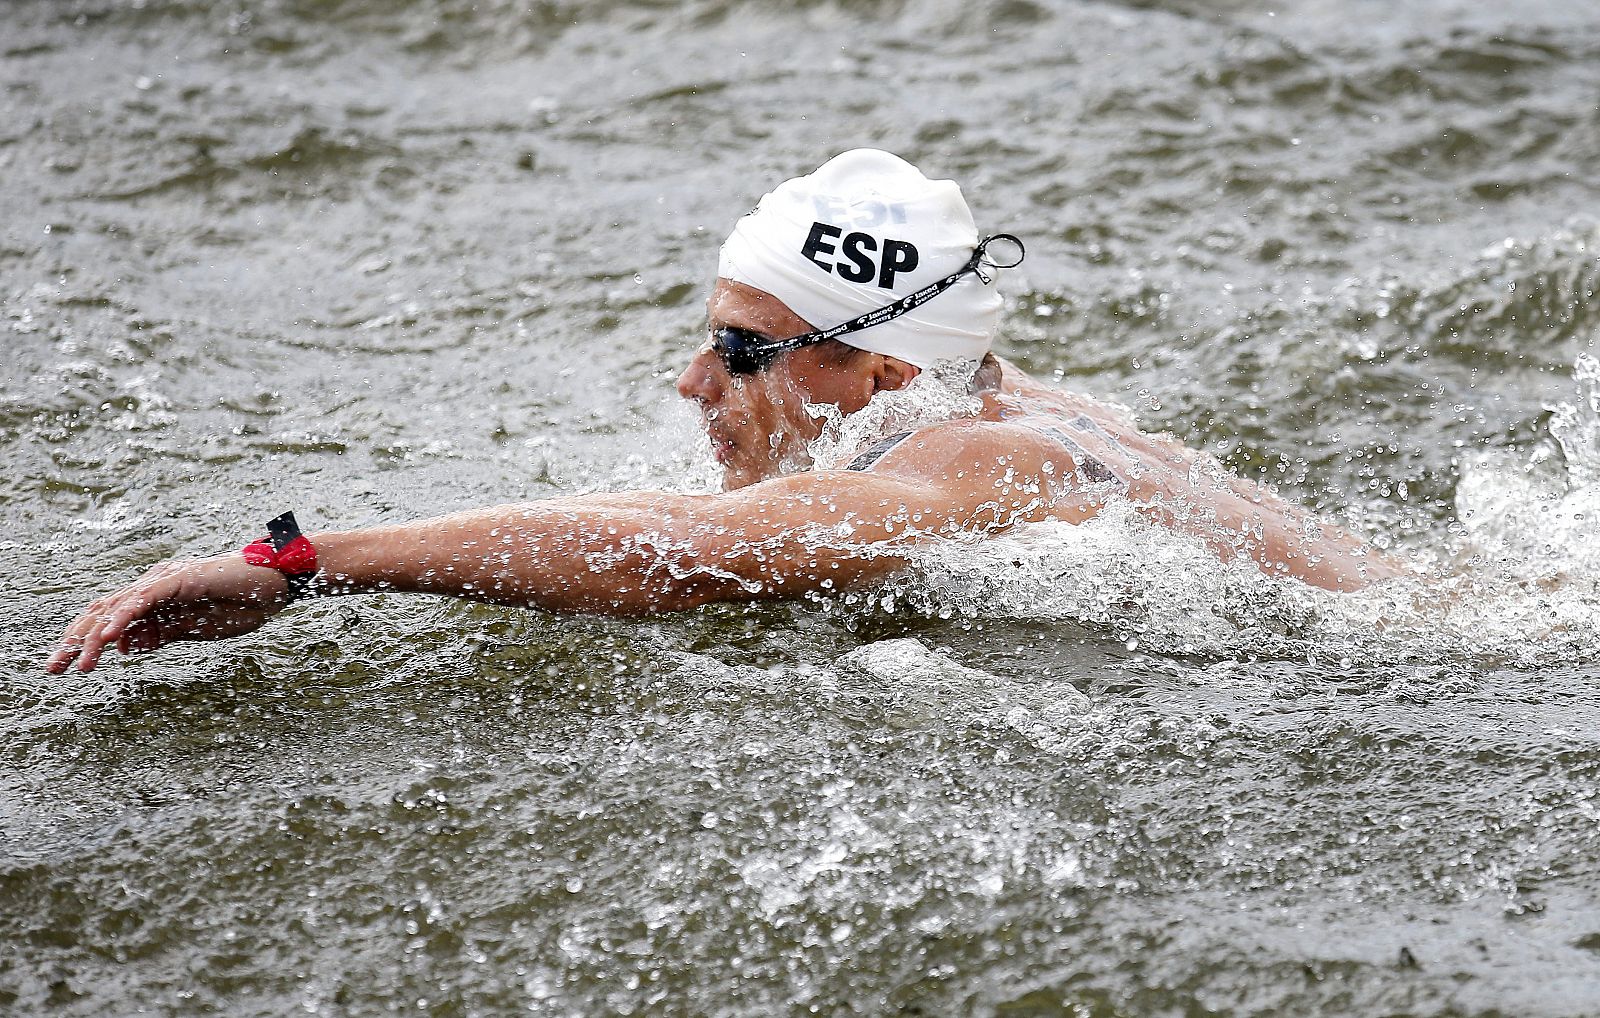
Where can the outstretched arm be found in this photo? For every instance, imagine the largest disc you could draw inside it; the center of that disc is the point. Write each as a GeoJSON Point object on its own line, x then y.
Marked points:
{"type": "Point", "coordinates": [631, 554]}
{"type": "Point", "coordinates": [626, 554]}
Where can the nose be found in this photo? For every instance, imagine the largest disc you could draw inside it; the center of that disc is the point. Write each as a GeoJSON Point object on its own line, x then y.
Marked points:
{"type": "Point", "coordinates": [705, 379]}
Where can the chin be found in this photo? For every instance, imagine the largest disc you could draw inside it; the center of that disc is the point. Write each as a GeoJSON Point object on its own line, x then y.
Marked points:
{"type": "Point", "coordinates": [735, 476]}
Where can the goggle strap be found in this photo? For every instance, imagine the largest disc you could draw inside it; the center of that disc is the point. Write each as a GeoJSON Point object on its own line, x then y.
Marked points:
{"type": "Point", "coordinates": [911, 301]}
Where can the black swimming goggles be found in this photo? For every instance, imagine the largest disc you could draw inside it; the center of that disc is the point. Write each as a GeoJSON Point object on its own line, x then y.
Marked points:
{"type": "Point", "coordinates": [744, 352]}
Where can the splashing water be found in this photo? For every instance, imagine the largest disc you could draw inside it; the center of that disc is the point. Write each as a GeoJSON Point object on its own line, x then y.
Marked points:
{"type": "Point", "coordinates": [1528, 593]}
{"type": "Point", "coordinates": [1577, 426]}
{"type": "Point", "coordinates": [1534, 514]}
{"type": "Point", "coordinates": [1165, 592]}
{"type": "Point", "coordinates": [941, 393]}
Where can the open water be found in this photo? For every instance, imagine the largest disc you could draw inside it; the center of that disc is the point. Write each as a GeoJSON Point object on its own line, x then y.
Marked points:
{"type": "Point", "coordinates": [378, 260]}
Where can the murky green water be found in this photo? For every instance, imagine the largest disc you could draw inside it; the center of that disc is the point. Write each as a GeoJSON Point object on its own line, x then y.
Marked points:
{"type": "Point", "coordinates": [376, 260]}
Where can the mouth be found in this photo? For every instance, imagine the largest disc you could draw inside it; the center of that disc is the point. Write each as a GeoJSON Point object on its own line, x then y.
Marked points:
{"type": "Point", "coordinates": [723, 447]}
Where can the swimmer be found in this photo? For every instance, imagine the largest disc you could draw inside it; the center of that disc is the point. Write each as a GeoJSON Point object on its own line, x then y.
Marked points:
{"type": "Point", "coordinates": [840, 285]}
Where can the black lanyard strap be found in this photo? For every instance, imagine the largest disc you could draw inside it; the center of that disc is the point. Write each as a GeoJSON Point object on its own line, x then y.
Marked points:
{"type": "Point", "coordinates": [980, 260]}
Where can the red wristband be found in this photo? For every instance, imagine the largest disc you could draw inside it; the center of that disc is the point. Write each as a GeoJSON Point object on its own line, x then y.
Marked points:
{"type": "Point", "coordinates": [297, 557]}
{"type": "Point", "coordinates": [286, 550]}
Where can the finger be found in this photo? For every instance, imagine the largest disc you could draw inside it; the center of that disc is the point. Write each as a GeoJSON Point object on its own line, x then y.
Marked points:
{"type": "Point", "coordinates": [58, 661]}
{"type": "Point", "coordinates": [85, 642]}
{"type": "Point", "coordinates": [72, 640]}
{"type": "Point", "coordinates": [96, 641]}
{"type": "Point", "coordinates": [66, 650]}
{"type": "Point", "coordinates": [148, 599]}
{"type": "Point", "coordinates": [131, 604]}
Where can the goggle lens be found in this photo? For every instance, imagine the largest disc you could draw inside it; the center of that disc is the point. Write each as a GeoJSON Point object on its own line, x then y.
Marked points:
{"type": "Point", "coordinates": [744, 352]}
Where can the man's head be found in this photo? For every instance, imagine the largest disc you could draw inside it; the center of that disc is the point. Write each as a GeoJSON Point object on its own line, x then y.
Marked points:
{"type": "Point", "coordinates": [865, 247]}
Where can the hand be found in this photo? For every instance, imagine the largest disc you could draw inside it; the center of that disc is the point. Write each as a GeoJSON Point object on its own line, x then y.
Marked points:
{"type": "Point", "coordinates": [204, 599]}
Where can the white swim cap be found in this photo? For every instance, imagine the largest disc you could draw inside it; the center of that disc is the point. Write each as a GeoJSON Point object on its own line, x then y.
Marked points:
{"type": "Point", "coordinates": [864, 230]}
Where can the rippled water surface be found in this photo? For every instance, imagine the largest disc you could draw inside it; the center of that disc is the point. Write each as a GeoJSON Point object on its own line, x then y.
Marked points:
{"type": "Point", "coordinates": [378, 260]}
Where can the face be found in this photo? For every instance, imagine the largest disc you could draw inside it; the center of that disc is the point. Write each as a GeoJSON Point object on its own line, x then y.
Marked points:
{"type": "Point", "coordinates": [757, 423]}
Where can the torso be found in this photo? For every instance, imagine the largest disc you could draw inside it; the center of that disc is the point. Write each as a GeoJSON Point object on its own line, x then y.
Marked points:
{"type": "Point", "coordinates": [1146, 467]}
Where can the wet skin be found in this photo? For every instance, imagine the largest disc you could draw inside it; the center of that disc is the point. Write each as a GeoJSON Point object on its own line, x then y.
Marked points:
{"type": "Point", "coordinates": [778, 529]}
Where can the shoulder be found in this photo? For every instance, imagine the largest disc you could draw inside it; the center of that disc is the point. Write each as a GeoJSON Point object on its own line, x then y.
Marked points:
{"type": "Point", "coordinates": [952, 476]}
{"type": "Point", "coordinates": [967, 446]}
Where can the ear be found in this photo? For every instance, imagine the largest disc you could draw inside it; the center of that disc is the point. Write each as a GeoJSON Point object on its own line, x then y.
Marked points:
{"type": "Point", "coordinates": [893, 373]}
